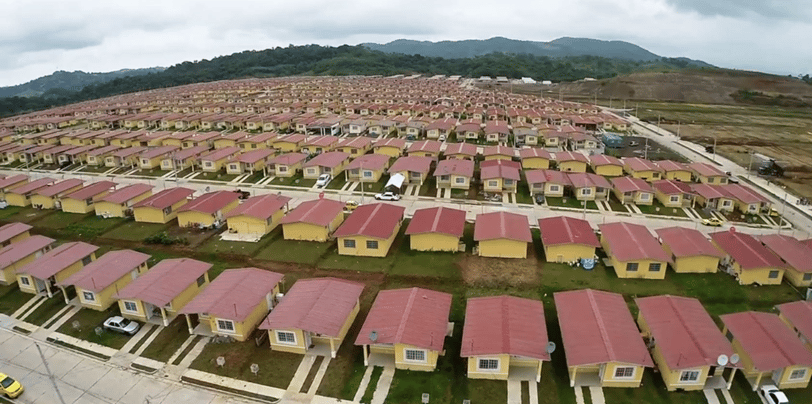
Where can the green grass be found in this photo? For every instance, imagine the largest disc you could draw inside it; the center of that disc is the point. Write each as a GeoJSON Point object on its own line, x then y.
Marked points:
{"type": "Point", "coordinates": [616, 205]}
{"type": "Point", "coordinates": [570, 202]}
{"type": "Point", "coordinates": [429, 187]}
{"type": "Point", "coordinates": [135, 231]}
{"type": "Point", "coordinates": [95, 169]}
{"type": "Point", "coordinates": [658, 208]}
{"type": "Point", "coordinates": [12, 298]}
{"type": "Point", "coordinates": [523, 194]}
{"type": "Point", "coordinates": [25, 215]}
{"type": "Point", "coordinates": [299, 252]}
{"type": "Point", "coordinates": [154, 172]}
{"type": "Point", "coordinates": [92, 227]}
{"type": "Point", "coordinates": [60, 220]}
{"type": "Point", "coordinates": [276, 368]}
{"type": "Point", "coordinates": [47, 310]}
{"type": "Point", "coordinates": [344, 374]}
{"type": "Point", "coordinates": [88, 320]}
{"type": "Point", "coordinates": [338, 181]}
{"type": "Point", "coordinates": [425, 264]}
{"type": "Point", "coordinates": [332, 260]}
{"type": "Point", "coordinates": [408, 386]}
{"type": "Point", "coordinates": [652, 390]}
{"type": "Point", "coordinates": [373, 383]}
{"type": "Point", "coordinates": [168, 340]}
{"type": "Point", "coordinates": [255, 177]}
{"type": "Point", "coordinates": [216, 176]}
{"type": "Point", "coordinates": [216, 246]}
{"type": "Point", "coordinates": [289, 181]}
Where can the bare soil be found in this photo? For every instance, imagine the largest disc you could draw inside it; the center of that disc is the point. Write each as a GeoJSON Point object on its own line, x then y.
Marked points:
{"type": "Point", "coordinates": [482, 271]}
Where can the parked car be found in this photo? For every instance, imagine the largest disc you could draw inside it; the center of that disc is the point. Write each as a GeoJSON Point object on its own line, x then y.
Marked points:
{"type": "Point", "coordinates": [3, 204]}
{"type": "Point", "coordinates": [323, 180]}
{"type": "Point", "coordinates": [121, 324]}
{"type": "Point", "coordinates": [350, 206]}
{"type": "Point", "coordinates": [387, 196]}
{"type": "Point", "coordinates": [539, 198]}
{"type": "Point", "coordinates": [772, 395]}
{"type": "Point", "coordinates": [10, 387]}
{"type": "Point", "coordinates": [714, 221]}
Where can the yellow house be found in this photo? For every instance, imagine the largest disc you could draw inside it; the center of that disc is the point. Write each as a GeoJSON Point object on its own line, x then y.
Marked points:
{"type": "Point", "coordinates": [43, 274]}
{"type": "Point", "coordinates": [183, 159]}
{"type": "Point", "coordinates": [643, 169]}
{"type": "Point", "coordinates": [614, 359]}
{"type": "Point", "coordinates": [673, 194]}
{"type": "Point", "coordinates": [14, 232]}
{"type": "Point", "coordinates": [798, 317]}
{"type": "Point", "coordinates": [285, 165]}
{"type": "Point", "coordinates": [707, 174]}
{"type": "Point", "coordinates": [674, 170]}
{"type": "Point", "coordinates": [795, 254]}
{"type": "Point", "coordinates": [314, 220]}
{"type": "Point", "coordinates": [158, 295]}
{"type": "Point", "coordinates": [504, 333]}
{"type": "Point", "coordinates": [633, 190]}
{"type": "Point", "coordinates": [566, 239]}
{"type": "Point", "coordinates": [633, 251]}
{"type": "Point", "coordinates": [9, 183]}
{"type": "Point", "coordinates": [571, 162]}
{"type": "Point", "coordinates": [161, 207]}
{"type": "Point", "coordinates": [119, 203]}
{"type": "Point", "coordinates": [392, 147]}
{"type": "Point", "coordinates": [17, 255]}
{"type": "Point", "coordinates": [249, 162]}
{"type": "Point", "coordinates": [366, 168]}
{"type": "Point", "coordinates": [713, 197]}
{"type": "Point", "coordinates": [356, 146]}
{"type": "Point", "coordinates": [607, 166]}
{"type": "Point", "coordinates": [690, 250]}
{"type": "Point", "coordinates": [96, 157]}
{"type": "Point", "coordinates": [317, 311]}
{"type": "Point", "coordinates": [331, 162]}
{"type": "Point", "coordinates": [535, 158]}
{"type": "Point", "coordinates": [50, 197]}
{"type": "Point", "coordinates": [234, 303]}
{"type": "Point", "coordinates": [499, 153]}
{"type": "Point", "coordinates": [21, 196]}
{"type": "Point", "coordinates": [208, 209]}
{"type": "Point", "coordinates": [369, 230]}
{"type": "Point", "coordinates": [152, 158]}
{"type": "Point", "coordinates": [125, 157]}
{"type": "Point", "coordinates": [546, 182]}
{"type": "Point", "coordinates": [389, 329]}
{"type": "Point", "coordinates": [319, 144]}
{"type": "Point", "coordinates": [82, 201]}
{"type": "Point", "coordinates": [289, 143]}
{"type": "Point", "coordinates": [425, 148]}
{"type": "Point", "coordinates": [769, 350]}
{"type": "Point", "coordinates": [216, 160]}
{"type": "Point", "coordinates": [747, 259]}
{"type": "Point", "coordinates": [502, 235]}
{"type": "Point", "coordinates": [436, 229]}
{"type": "Point", "coordinates": [257, 215]}
{"type": "Point", "coordinates": [97, 282]}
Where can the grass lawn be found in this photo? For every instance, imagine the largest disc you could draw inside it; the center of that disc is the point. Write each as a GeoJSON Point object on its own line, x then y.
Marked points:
{"type": "Point", "coordinates": [93, 226]}
{"type": "Point", "coordinates": [429, 187]}
{"type": "Point", "coordinates": [47, 310]}
{"type": "Point", "coordinates": [60, 220]}
{"type": "Point", "coordinates": [460, 193]}
{"type": "Point", "coordinates": [425, 264]}
{"type": "Point", "coordinates": [216, 246]}
{"type": "Point", "coordinates": [658, 209]}
{"type": "Point", "coordinates": [373, 383]}
{"type": "Point", "coordinates": [570, 202]}
{"type": "Point", "coordinates": [255, 177]}
{"type": "Point", "coordinates": [338, 181]}
{"type": "Point", "coordinates": [523, 194]}
{"type": "Point", "coordinates": [290, 181]}
{"type": "Point", "coordinates": [737, 216]}
{"type": "Point", "coordinates": [352, 263]}
{"type": "Point", "coordinates": [216, 176]}
{"type": "Point", "coordinates": [25, 215]}
{"type": "Point", "coordinates": [344, 373]}
{"type": "Point", "coordinates": [168, 340]}
{"type": "Point", "coordinates": [299, 252]}
{"type": "Point", "coordinates": [154, 172]}
{"type": "Point", "coordinates": [616, 205]}
{"type": "Point", "coordinates": [276, 368]}
{"type": "Point", "coordinates": [95, 169]}
{"type": "Point", "coordinates": [374, 187]}
{"type": "Point", "coordinates": [703, 213]}
{"type": "Point", "coordinates": [12, 298]}
{"type": "Point", "coordinates": [135, 231]}
{"type": "Point", "coordinates": [88, 320]}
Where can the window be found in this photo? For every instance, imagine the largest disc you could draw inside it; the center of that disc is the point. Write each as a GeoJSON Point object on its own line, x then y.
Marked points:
{"type": "Point", "coordinates": [654, 267]}
{"type": "Point", "coordinates": [624, 372]}
{"type": "Point", "coordinates": [508, 181]}
{"type": "Point", "coordinates": [710, 180]}
{"type": "Point", "coordinates": [233, 166]}
{"type": "Point", "coordinates": [372, 244]}
{"type": "Point", "coordinates": [89, 296]}
{"type": "Point", "coordinates": [459, 180]}
{"type": "Point", "coordinates": [201, 280]}
{"type": "Point", "coordinates": [86, 260]}
{"type": "Point", "coordinates": [631, 267]}
{"type": "Point", "coordinates": [285, 337]}
{"type": "Point", "coordinates": [282, 169]}
{"type": "Point", "coordinates": [493, 183]}
{"type": "Point", "coordinates": [130, 306]}
{"type": "Point", "coordinates": [488, 364]}
{"type": "Point", "coordinates": [644, 196]}
{"type": "Point", "coordinates": [207, 163]}
{"type": "Point", "coordinates": [415, 355]}
{"type": "Point", "coordinates": [773, 275]}
{"type": "Point", "coordinates": [553, 188]}
{"type": "Point", "coordinates": [797, 374]}
{"type": "Point", "coordinates": [808, 277]}
{"type": "Point", "coordinates": [586, 191]}
{"type": "Point", "coordinates": [167, 210]}
{"type": "Point", "coordinates": [349, 243]}
{"type": "Point", "coordinates": [25, 281]}
{"type": "Point", "coordinates": [689, 376]}
{"type": "Point", "coordinates": [368, 174]}
{"type": "Point", "coordinates": [674, 198]}
{"type": "Point", "coordinates": [225, 325]}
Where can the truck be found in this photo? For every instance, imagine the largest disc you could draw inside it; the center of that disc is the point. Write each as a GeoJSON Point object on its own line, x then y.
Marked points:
{"type": "Point", "coordinates": [771, 168]}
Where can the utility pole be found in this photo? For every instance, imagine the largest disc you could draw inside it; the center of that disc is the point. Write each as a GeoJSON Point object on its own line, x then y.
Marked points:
{"type": "Point", "coordinates": [645, 150]}
{"type": "Point", "coordinates": [50, 375]}
{"type": "Point", "coordinates": [714, 148]}
{"type": "Point", "coordinates": [750, 164]}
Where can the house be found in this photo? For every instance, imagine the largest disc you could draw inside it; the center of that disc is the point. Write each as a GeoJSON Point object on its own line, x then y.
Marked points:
{"type": "Point", "coordinates": [690, 250]}
{"type": "Point", "coordinates": [392, 147]}
{"type": "Point", "coordinates": [588, 186]}
{"type": "Point", "coordinates": [642, 168]}
{"type": "Point", "coordinates": [14, 232]}
{"type": "Point", "coordinates": [499, 175]}
{"type": "Point", "coordinates": [747, 259]}
{"type": "Point", "coordinates": [535, 158]}
{"type": "Point", "coordinates": [19, 254]}
{"type": "Point", "coordinates": [250, 161]}
{"type": "Point", "coordinates": [425, 148]}
{"type": "Point", "coordinates": [160, 294]}
{"type": "Point", "coordinates": [314, 220]}
{"type": "Point", "coordinates": [161, 207]}
{"type": "Point", "coordinates": [746, 200]}
{"type": "Point", "coordinates": [687, 345]}
{"type": "Point", "coordinates": [21, 196]}
{"type": "Point", "coordinates": [215, 160]}
{"type": "Point", "coordinates": [319, 144]}
{"type": "Point", "coordinates": [673, 194]}
{"type": "Point", "coordinates": [233, 304]}
{"type": "Point", "coordinates": [82, 201]}
{"type": "Point", "coordinates": [601, 341]}
{"type": "Point", "coordinates": [125, 157]}
{"type": "Point", "coordinates": [285, 165]}
{"type": "Point", "coordinates": [498, 153]}
{"type": "Point", "coordinates": [581, 141]}
{"type": "Point", "coordinates": [440, 128]}
{"type": "Point", "coordinates": [152, 158]}
{"type": "Point", "coordinates": [546, 182]}
{"type": "Point", "coordinates": [502, 235]}
{"type": "Point", "coordinates": [208, 210]}
{"type": "Point", "coordinates": [798, 317]}
{"type": "Point", "coordinates": [43, 274]}
{"type": "Point", "coordinates": [525, 135]}
{"type": "Point", "coordinates": [50, 197]}
{"type": "Point", "coordinates": [469, 129]}
{"type": "Point", "coordinates": [183, 159]}
{"type": "Point", "coordinates": [460, 151]}
{"type": "Point", "coordinates": [633, 190]}
{"type": "Point", "coordinates": [316, 311]}
{"type": "Point", "coordinates": [633, 251]}
{"type": "Point", "coordinates": [571, 162]}
{"type": "Point", "coordinates": [674, 170]}
{"type": "Point", "coordinates": [566, 239]}
{"type": "Point", "coordinates": [367, 168]}
{"type": "Point", "coordinates": [96, 157]}
{"type": "Point", "coordinates": [769, 350]}
{"type": "Point", "coordinates": [707, 174]}
{"type": "Point", "coordinates": [369, 230]}
{"type": "Point", "coordinates": [415, 169]}
{"type": "Point", "coordinates": [356, 146]}
{"type": "Point", "coordinates": [496, 131]}
{"type": "Point", "coordinates": [119, 203]}
{"type": "Point", "coordinates": [795, 254]}
{"type": "Point", "coordinates": [713, 197]}
{"type": "Point", "coordinates": [504, 334]}
{"type": "Point", "coordinates": [97, 283]}
{"type": "Point", "coordinates": [11, 182]}
{"type": "Point", "coordinates": [607, 166]}
{"type": "Point", "coordinates": [326, 163]}
{"type": "Point", "coordinates": [257, 215]}
{"type": "Point", "coordinates": [436, 229]}
{"type": "Point", "coordinates": [454, 173]}
{"type": "Point", "coordinates": [289, 143]}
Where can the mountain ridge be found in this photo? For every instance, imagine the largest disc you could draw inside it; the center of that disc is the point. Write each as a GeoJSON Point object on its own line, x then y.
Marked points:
{"type": "Point", "coordinates": [70, 81]}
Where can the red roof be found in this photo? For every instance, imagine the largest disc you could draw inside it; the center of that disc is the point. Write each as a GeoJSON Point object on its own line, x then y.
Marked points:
{"type": "Point", "coordinates": [32, 186]}
{"type": "Point", "coordinates": [533, 152]}
{"type": "Point", "coordinates": [91, 190]}
{"type": "Point", "coordinates": [746, 250]}
{"type": "Point", "coordinates": [708, 191]}
{"type": "Point", "coordinates": [638, 164]}
{"type": "Point", "coordinates": [319, 212]}
{"type": "Point", "coordinates": [234, 294]}
{"type": "Point", "coordinates": [190, 152]}
{"type": "Point", "coordinates": [464, 168]}
{"type": "Point", "coordinates": [685, 242]}
{"type": "Point", "coordinates": [165, 198]}
{"type": "Point", "coordinates": [254, 155]}
{"type": "Point", "coordinates": [504, 325]}
{"type": "Point", "coordinates": [706, 170]}
{"type": "Point", "coordinates": [14, 252]}
{"type": "Point", "coordinates": [127, 151]}
{"type": "Point", "coordinates": [789, 249]}
{"type": "Point", "coordinates": [599, 160]}
{"type": "Point", "coordinates": [15, 179]}
{"type": "Point", "coordinates": [437, 220]}
{"type": "Point", "coordinates": [11, 230]}
{"type": "Point", "coordinates": [671, 187]}
{"type": "Point", "coordinates": [158, 152]}
{"type": "Point", "coordinates": [318, 305]}
{"type": "Point", "coordinates": [432, 146]}
{"type": "Point", "coordinates": [498, 151]}
{"type": "Point", "coordinates": [587, 180]}
{"type": "Point", "coordinates": [326, 140]}
{"type": "Point", "coordinates": [369, 161]}
{"type": "Point", "coordinates": [497, 225]}
{"type": "Point", "coordinates": [219, 154]}
{"type": "Point", "coordinates": [379, 220]}
{"type": "Point", "coordinates": [415, 316]}
{"type": "Point", "coordinates": [260, 207]}
{"type": "Point", "coordinates": [570, 156]}
{"type": "Point", "coordinates": [669, 165]}
{"type": "Point", "coordinates": [567, 230]}
{"type": "Point", "coordinates": [769, 343]}
{"type": "Point", "coordinates": [329, 159]}
{"type": "Point", "coordinates": [390, 142]}
{"type": "Point", "coordinates": [545, 176]}
{"type": "Point", "coordinates": [165, 281]}
{"type": "Point", "coordinates": [418, 164]}
{"type": "Point", "coordinates": [799, 315]}
{"type": "Point", "coordinates": [631, 184]}
{"type": "Point", "coordinates": [460, 148]}
{"type": "Point", "coordinates": [125, 194]}
{"type": "Point", "coordinates": [597, 327]}
{"type": "Point", "coordinates": [744, 194]}
{"type": "Point", "coordinates": [211, 202]}
{"type": "Point", "coordinates": [499, 169]}
{"type": "Point", "coordinates": [106, 270]}
{"type": "Point", "coordinates": [685, 333]}
{"type": "Point", "coordinates": [287, 158]}
{"type": "Point", "coordinates": [54, 261]}
{"type": "Point", "coordinates": [631, 242]}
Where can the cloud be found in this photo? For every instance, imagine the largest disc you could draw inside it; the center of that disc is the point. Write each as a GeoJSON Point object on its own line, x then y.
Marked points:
{"type": "Point", "coordinates": [771, 9]}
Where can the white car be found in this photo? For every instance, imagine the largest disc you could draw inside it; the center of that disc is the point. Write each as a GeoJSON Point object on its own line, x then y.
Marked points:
{"type": "Point", "coordinates": [442, 138]}
{"type": "Point", "coordinates": [387, 196]}
{"type": "Point", "coordinates": [3, 204]}
{"type": "Point", "coordinates": [323, 180]}
{"type": "Point", "coordinates": [772, 395]}
{"type": "Point", "coordinates": [121, 324]}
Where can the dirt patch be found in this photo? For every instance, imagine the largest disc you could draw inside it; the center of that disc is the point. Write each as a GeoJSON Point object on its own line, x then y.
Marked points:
{"type": "Point", "coordinates": [482, 271]}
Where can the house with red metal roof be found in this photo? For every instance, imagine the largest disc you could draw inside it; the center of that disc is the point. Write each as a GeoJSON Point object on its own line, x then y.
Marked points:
{"type": "Point", "coordinates": [503, 334]}
{"type": "Point", "coordinates": [314, 220]}
{"type": "Point", "coordinates": [798, 317]}
{"type": "Point", "coordinates": [633, 190]}
{"type": "Point", "coordinates": [795, 254]}
{"type": "Point", "coordinates": [83, 200]}
{"type": "Point", "coordinates": [690, 250]}
{"type": "Point", "coordinates": [119, 203]}
{"type": "Point", "coordinates": [208, 210]}
{"type": "Point", "coordinates": [535, 158]}
{"type": "Point", "coordinates": [392, 146]}
{"type": "Point", "coordinates": [502, 235]}
{"type": "Point", "coordinates": [496, 131]}
{"type": "Point", "coordinates": [50, 197]}
{"type": "Point", "coordinates": [546, 182]}
{"type": "Point", "coordinates": [747, 259]}
{"type": "Point", "coordinates": [257, 215]}
{"type": "Point", "coordinates": [588, 186]}
{"type": "Point", "coordinates": [316, 312]}
{"type": "Point", "coordinates": [319, 144]}
{"type": "Point", "coordinates": [674, 170]}
{"type": "Point", "coordinates": [460, 151]}
{"type": "Point", "coordinates": [606, 165]}
{"type": "Point", "coordinates": [331, 162]}
{"type": "Point", "coordinates": [285, 165]}
{"type": "Point", "coordinates": [124, 157]}
{"type": "Point", "coordinates": [769, 350]}
{"type": "Point", "coordinates": [571, 162]}
{"type": "Point", "coordinates": [500, 175]}
{"type": "Point", "coordinates": [425, 148]}
{"type": "Point", "coordinates": [454, 173]}
{"type": "Point", "coordinates": [14, 232]}
{"type": "Point", "coordinates": [633, 251]}
{"type": "Point", "coordinates": [688, 348]}
{"type": "Point", "coordinates": [713, 197]}
{"type": "Point", "coordinates": [249, 162]}
{"type": "Point", "coordinates": [469, 129]}
{"type": "Point", "coordinates": [409, 324]}
{"type": "Point", "coordinates": [355, 146]}
{"type": "Point", "coordinates": [98, 281]}
{"type": "Point", "coordinates": [21, 196]}
{"type": "Point", "coordinates": [289, 143]}
{"type": "Point", "coordinates": [18, 254]}
{"type": "Point", "coordinates": [641, 168]}
{"type": "Point", "coordinates": [747, 200]}
{"type": "Point", "coordinates": [183, 159]}
{"type": "Point", "coordinates": [567, 239]}
{"type": "Point", "coordinates": [367, 168]}
{"type": "Point", "coordinates": [233, 304]}
{"type": "Point", "coordinates": [498, 153]}
{"type": "Point", "coordinates": [673, 194]}
{"type": "Point", "coordinates": [707, 174]}
{"type": "Point", "coordinates": [152, 158]}
{"type": "Point", "coordinates": [415, 169]}
{"type": "Point", "coordinates": [370, 230]}
{"type": "Point", "coordinates": [601, 341]}
{"type": "Point", "coordinates": [43, 274]}
{"type": "Point", "coordinates": [216, 160]}
{"type": "Point", "coordinates": [436, 229]}
{"type": "Point", "coordinates": [440, 127]}
{"type": "Point", "coordinates": [163, 206]}
{"type": "Point", "coordinates": [11, 182]}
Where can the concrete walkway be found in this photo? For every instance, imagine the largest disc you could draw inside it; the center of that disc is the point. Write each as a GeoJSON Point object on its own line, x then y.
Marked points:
{"type": "Point", "coordinates": [362, 388]}
{"type": "Point", "coordinates": [384, 383]}
{"type": "Point", "coordinates": [29, 306]}
{"type": "Point", "coordinates": [62, 317]}
{"type": "Point", "coordinates": [710, 395]}
{"type": "Point", "coordinates": [596, 394]}
{"type": "Point", "coordinates": [514, 392]}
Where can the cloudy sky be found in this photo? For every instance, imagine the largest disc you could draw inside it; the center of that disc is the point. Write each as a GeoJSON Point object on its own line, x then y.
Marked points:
{"type": "Point", "coordinates": [38, 37]}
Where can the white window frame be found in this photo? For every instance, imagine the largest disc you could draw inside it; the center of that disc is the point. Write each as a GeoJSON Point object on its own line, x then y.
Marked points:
{"type": "Point", "coordinates": [674, 198]}
{"type": "Point", "coordinates": [25, 281]}
{"type": "Point", "coordinates": [277, 333]}
{"type": "Point", "coordinates": [554, 188]}
{"type": "Point", "coordinates": [632, 267]}
{"type": "Point", "coordinates": [624, 368]}
{"type": "Point", "coordinates": [129, 310]}
{"type": "Point", "coordinates": [220, 322]}
{"type": "Point", "coordinates": [726, 202]}
{"type": "Point", "coordinates": [797, 374]}
{"type": "Point", "coordinates": [488, 361]}
{"type": "Point", "coordinates": [407, 351]}
{"type": "Point", "coordinates": [689, 376]}
{"type": "Point", "coordinates": [586, 191]}
{"type": "Point", "coordinates": [459, 180]}
{"type": "Point", "coordinates": [644, 196]}
{"type": "Point", "coordinates": [88, 296]}
{"type": "Point", "coordinates": [348, 243]}
{"type": "Point", "coordinates": [493, 183]}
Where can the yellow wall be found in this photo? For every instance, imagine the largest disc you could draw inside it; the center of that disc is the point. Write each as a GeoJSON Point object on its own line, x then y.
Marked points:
{"type": "Point", "coordinates": [684, 176]}
{"type": "Point", "coordinates": [9, 273]}
{"type": "Point", "coordinates": [310, 232]}
{"type": "Point", "coordinates": [796, 278]}
{"type": "Point", "coordinates": [642, 267]}
{"type": "Point", "coordinates": [361, 249]}
{"type": "Point", "coordinates": [697, 264]}
{"type": "Point", "coordinates": [286, 147]}
{"type": "Point", "coordinates": [503, 248]}
{"type": "Point", "coordinates": [401, 363]}
{"type": "Point", "coordinates": [434, 242]}
{"type": "Point", "coordinates": [243, 329]}
{"type": "Point", "coordinates": [58, 277]}
{"type": "Point", "coordinates": [608, 379]}
{"type": "Point", "coordinates": [77, 206]}
{"type": "Point", "coordinates": [104, 299]}
{"type": "Point", "coordinates": [758, 275]}
{"type": "Point", "coordinates": [190, 218]}
{"type": "Point", "coordinates": [750, 371]}
{"type": "Point", "coordinates": [608, 170]}
{"type": "Point", "coordinates": [535, 163]}
{"type": "Point", "coordinates": [298, 348]}
{"type": "Point", "coordinates": [389, 151]}
{"type": "Point", "coordinates": [666, 199]}
{"type": "Point", "coordinates": [671, 377]}
{"type": "Point", "coordinates": [488, 185]}
{"type": "Point", "coordinates": [648, 175]}
{"type": "Point", "coordinates": [572, 166]}
{"type": "Point", "coordinates": [498, 374]}
{"type": "Point", "coordinates": [246, 224]}
{"type": "Point", "coordinates": [568, 252]}
{"type": "Point", "coordinates": [213, 166]}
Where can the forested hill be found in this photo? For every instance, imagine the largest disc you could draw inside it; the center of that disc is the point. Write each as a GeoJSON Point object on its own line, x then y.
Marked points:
{"type": "Point", "coordinates": [343, 60]}
{"type": "Point", "coordinates": [70, 81]}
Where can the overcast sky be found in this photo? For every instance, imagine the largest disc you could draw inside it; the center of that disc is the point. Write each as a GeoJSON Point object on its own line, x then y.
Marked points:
{"type": "Point", "coordinates": [38, 37]}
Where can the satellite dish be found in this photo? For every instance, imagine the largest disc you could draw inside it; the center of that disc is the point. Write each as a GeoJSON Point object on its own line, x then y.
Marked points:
{"type": "Point", "coordinates": [220, 361]}
{"type": "Point", "coordinates": [373, 336]}
{"type": "Point", "coordinates": [722, 360]}
{"type": "Point", "coordinates": [550, 347]}
{"type": "Point", "coordinates": [254, 369]}
{"type": "Point", "coordinates": [734, 359]}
